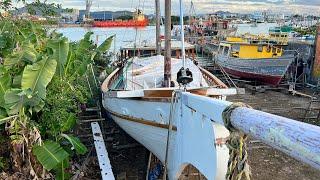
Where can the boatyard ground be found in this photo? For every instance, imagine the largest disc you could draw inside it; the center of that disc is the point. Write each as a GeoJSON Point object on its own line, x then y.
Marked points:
{"type": "Point", "coordinates": [129, 158]}
{"type": "Point", "coordinates": [266, 162]}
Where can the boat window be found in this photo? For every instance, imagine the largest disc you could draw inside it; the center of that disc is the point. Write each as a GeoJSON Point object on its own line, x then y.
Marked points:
{"type": "Point", "coordinates": [274, 50]}
{"type": "Point", "coordinates": [260, 48]}
{"type": "Point", "coordinates": [278, 50]}
{"type": "Point", "coordinates": [236, 48]}
{"type": "Point", "coordinates": [226, 50]}
{"type": "Point", "coordinates": [268, 48]}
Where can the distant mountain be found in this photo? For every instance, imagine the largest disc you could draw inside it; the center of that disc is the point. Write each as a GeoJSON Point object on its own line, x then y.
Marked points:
{"type": "Point", "coordinates": [38, 9]}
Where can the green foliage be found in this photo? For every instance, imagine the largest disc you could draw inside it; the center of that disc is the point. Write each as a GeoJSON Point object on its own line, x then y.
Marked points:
{"type": "Point", "coordinates": [19, 58]}
{"type": "Point", "coordinates": [43, 80]}
{"type": "Point", "coordinates": [76, 144]}
{"type": "Point", "coordinates": [50, 154]}
{"type": "Point", "coordinates": [105, 45]}
{"type": "Point", "coordinates": [59, 113]}
{"type": "Point", "coordinates": [60, 48]}
{"type": "Point", "coordinates": [38, 75]}
{"type": "Point", "coordinates": [5, 84]}
{"type": "Point", "coordinates": [60, 170]}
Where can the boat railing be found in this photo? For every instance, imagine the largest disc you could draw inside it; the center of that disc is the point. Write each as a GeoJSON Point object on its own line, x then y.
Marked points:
{"type": "Point", "coordinates": [211, 79]}
{"type": "Point", "coordinates": [110, 80]}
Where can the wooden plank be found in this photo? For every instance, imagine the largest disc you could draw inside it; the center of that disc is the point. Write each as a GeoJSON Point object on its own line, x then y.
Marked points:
{"type": "Point", "coordinates": [92, 109]}
{"type": "Point", "coordinates": [102, 153]}
{"type": "Point", "coordinates": [91, 120]}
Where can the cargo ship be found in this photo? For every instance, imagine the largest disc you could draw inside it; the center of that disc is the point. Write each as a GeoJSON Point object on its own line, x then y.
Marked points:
{"type": "Point", "coordinates": [139, 20]}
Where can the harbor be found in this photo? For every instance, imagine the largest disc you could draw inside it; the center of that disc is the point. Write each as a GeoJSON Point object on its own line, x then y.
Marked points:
{"type": "Point", "coordinates": [168, 89]}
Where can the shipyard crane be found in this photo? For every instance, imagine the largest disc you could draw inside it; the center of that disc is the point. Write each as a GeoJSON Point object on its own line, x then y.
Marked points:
{"type": "Point", "coordinates": [88, 7]}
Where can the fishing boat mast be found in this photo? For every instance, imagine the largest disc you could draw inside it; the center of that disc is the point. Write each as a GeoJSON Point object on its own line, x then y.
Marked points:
{"type": "Point", "coordinates": [167, 54]}
{"type": "Point", "coordinates": [158, 41]}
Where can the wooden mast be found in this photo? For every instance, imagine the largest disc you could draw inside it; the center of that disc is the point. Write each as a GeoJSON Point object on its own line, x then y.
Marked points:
{"type": "Point", "coordinates": [158, 41]}
{"type": "Point", "coordinates": [167, 57]}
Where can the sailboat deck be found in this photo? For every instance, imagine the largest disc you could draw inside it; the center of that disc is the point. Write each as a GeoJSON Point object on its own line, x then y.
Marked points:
{"type": "Point", "coordinates": [142, 78]}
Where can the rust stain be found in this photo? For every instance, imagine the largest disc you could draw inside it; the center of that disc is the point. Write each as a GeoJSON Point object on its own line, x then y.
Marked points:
{"type": "Point", "coordinates": [221, 141]}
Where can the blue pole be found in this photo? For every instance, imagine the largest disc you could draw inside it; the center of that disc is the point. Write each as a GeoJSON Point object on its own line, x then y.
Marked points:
{"type": "Point", "coordinates": [297, 139]}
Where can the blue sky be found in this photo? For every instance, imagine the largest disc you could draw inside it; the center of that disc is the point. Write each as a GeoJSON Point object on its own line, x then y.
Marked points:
{"type": "Point", "coordinates": [204, 6]}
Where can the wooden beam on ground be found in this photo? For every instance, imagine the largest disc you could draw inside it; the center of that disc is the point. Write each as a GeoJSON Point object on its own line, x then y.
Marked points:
{"type": "Point", "coordinates": [102, 153]}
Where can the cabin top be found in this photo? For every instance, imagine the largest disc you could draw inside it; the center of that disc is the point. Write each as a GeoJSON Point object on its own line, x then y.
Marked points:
{"type": "Point", "coordinates": [249, 50]}
{"type": "Point", "coordinates": [273, 38]}
{"type": "Point", "coordinates": [142, 77]}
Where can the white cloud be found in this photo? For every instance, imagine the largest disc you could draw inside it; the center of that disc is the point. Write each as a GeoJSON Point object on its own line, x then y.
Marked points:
{"type": "Point", "coordinates": [203, 6]}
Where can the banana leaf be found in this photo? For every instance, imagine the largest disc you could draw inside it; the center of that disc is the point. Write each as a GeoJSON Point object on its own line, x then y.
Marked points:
{"type": "Point", "coordinates": [69, 123]}
{"type": "Point", "coordinates": [105, 45]}
{"type": "Point", "coordinates": [50, 154]}
{"type": "Point", "coordinates": [15, 99]}
{"type": "Point", "coordinates": [27, 54]}
{"type": "Point", "coordinates": [76, 144]}
{"type": "Point", "coordinates": [37, 76]}
{"type": "Point", "coordinates": [60, 48]}
{"type": "Point", "coordinates": [60, 170]}
{"type": "Point", "coordinates": [5, 84]}
{"type": "Point", "coordinates": [3, 114]}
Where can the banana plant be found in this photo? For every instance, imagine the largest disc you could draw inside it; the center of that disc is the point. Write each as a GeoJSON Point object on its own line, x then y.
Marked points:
{"type": "Point", "coordinates": [37, 60]}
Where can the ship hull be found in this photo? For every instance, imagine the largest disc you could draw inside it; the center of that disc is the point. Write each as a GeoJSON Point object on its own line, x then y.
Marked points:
{"type": "Point", "coordinates": [129, 23]}
{"type": "Point", "coordinates": [266, 70]}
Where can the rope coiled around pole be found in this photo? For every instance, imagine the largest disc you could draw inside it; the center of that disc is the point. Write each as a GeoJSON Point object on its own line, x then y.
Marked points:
{"type": "Point", "coordinates": [238, 155]}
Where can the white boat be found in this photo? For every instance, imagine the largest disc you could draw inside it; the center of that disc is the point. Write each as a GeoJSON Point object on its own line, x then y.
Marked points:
{"type": "Point", "coordinates": [183, 125]}
{"type": "Point", "coordinates": [186, 129]}
{"type": "Point", "coordinates": [136, 102]}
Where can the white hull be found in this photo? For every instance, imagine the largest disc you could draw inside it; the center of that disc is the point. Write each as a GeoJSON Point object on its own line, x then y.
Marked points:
{"type": "Point", "coordinates": [189, 143]}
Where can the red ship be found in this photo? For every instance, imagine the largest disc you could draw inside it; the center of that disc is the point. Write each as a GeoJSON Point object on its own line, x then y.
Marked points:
{"type": "Point", "coordinates": [138, 20]}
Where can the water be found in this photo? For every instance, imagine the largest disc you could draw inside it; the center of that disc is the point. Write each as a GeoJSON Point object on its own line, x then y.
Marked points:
{"type": "Point", "coordinates": [128, 35]}
{"type": "Point", "coordinates": [123, 36]}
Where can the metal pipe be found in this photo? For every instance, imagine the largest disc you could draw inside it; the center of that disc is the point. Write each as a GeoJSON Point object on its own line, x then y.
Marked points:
{"type": "Point", "coordinates": [297, 139]}
{"type": "Point", "coordinates": [182, 35]}
{"type": "Point", "coordinates": [158, 41]}
{"type": "Point", "coordinates": [167, 58]}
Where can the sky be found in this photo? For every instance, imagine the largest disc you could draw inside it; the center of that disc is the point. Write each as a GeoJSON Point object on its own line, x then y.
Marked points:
{"type": "Point", "coordinates": [204, 6]}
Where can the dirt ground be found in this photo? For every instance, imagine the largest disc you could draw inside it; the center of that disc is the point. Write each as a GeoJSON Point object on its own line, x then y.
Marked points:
{"type": "Point", "coordinates": [268, 163]}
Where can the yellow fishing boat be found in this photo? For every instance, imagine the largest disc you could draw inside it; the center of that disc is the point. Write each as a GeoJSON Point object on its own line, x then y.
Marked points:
{"type": "Point", "coordinates": [260, 58]}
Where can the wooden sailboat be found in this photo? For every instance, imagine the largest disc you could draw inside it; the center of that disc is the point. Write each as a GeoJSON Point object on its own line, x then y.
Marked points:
{"type": "Point", "coordinates": [181, 123]}
{"type": "Point", "coordinates": [137, 101]}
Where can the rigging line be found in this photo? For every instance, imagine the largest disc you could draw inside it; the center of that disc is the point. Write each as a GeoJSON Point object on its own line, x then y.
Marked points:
{"type": "Point", "coordinates": [182, 35]}
{"type": "Point", "coordinates": [174, 100]}
{"type": "Point", "coordinates": [143, 5]}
